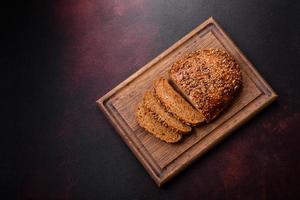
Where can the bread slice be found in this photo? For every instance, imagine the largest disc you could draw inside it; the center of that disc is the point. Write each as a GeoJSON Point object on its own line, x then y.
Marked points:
{"type": "Point", "coordinates": [209, 78]}
{"type": "Point", "coordinates": [147, 120]}
{"type": "Point", "coordinates": [152, 104]}
{"type": "Point", "coordinates": [175, 103]}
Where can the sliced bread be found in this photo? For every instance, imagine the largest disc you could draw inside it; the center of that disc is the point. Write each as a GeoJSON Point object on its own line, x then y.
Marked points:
{"type": "Point", "coordinates": [149, 122]}
{"type": "Point", "coordinates": [152, 104]}
{"type": "Point", "coordinates": [175, 103]}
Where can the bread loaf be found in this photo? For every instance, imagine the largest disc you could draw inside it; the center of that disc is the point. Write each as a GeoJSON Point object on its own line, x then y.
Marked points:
{"type": "Point", "coordinates": [209, 79]}
{"type": "Point", "coordinates": [204, 83]}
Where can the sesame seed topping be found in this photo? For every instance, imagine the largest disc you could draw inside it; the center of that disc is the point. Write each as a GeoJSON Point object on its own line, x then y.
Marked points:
{"type": "Point", "coordinates": [209, 77]}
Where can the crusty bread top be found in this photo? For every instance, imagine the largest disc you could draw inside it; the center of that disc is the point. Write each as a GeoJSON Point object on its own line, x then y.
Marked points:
{"type": "Point", "coordinates": [209, 79]}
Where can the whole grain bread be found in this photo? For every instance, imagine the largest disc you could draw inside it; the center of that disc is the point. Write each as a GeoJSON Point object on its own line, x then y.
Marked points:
{"type": "Point", "coordinates": [152, 104]}
{"type": "Point", "coordinates": [149, 122]}
{"type": "Point", "coordinates": [209, 78]}
{"type": "Point", "coordinates": [175, 103]}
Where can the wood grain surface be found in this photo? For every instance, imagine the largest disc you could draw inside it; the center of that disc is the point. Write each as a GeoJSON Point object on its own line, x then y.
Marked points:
{"type": "Point", "coordinates": [163, 161]}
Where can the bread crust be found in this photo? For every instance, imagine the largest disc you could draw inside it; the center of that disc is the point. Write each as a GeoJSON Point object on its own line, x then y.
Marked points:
{"type": "Point", "coordinates": [209, 78]}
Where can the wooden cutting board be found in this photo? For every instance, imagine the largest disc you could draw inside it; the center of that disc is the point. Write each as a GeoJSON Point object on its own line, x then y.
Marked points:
{"type": "Point", "coordinates": [163, 161]}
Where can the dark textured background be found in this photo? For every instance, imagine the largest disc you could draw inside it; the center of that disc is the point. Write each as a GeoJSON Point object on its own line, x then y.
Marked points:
{"type": "Point", "coordinates": [58, 57]}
